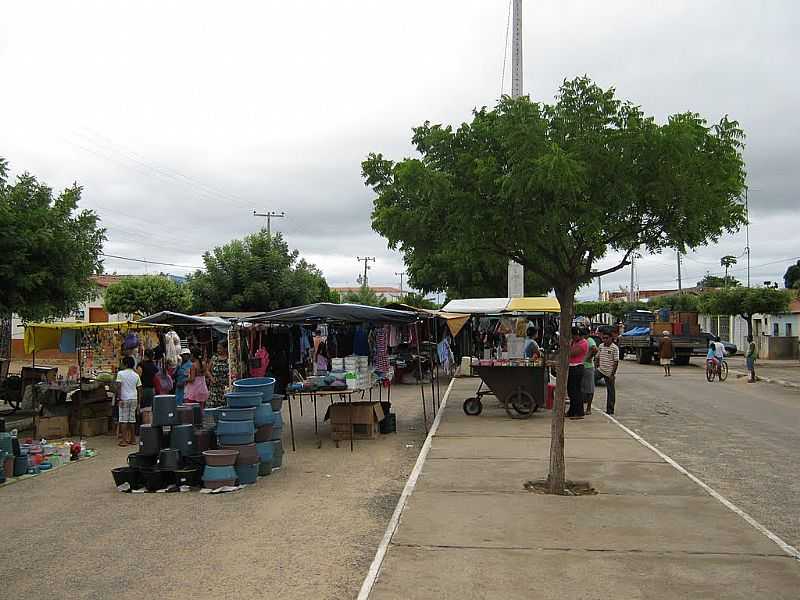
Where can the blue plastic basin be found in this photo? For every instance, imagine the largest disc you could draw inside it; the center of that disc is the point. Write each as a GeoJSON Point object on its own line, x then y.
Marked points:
{"type": "Point", "coordinates": [225, 427]}
{"type": "Point", "coordinates": [265, 385]}
{"type": "Point", "coordinates": [266, 451]}
{"type": "Point", "coordinates": [236, 414]}
{"type": "Point", "coordinates": [216, 473]}
{"type": "Point", "coordinates": [264, 415]}
{"type": "Point", "coordinates": [247, 473]}
{"type": "Point", "coordinates": [235, 439]}
{"type": "Point", "coordinates": [244, 399]}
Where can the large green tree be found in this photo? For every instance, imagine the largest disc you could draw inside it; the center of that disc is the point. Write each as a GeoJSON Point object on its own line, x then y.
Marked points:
{"type": "Point", "coordinates": [256, 273]}
{"type": "Point", "coordinates": [745, 302]}
{"type": "Point", "coordinates": [558, 187]}
{"type": "Point", "coordinates": [146, 295]}
{"type": "Point", "coordinates": [49, 250]}
{"type": "Point", "coordinates": [676, 302]}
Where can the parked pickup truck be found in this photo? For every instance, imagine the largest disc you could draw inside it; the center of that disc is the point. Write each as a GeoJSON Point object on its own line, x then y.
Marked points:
{"type": "Point", "coordinates": [639, 341]}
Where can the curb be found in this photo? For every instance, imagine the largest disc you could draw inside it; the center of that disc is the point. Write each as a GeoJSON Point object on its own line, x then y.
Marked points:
{"type": "Point", "coordinates": [394, 522]}
{"type": "Point", "coordinates": [782, 382]}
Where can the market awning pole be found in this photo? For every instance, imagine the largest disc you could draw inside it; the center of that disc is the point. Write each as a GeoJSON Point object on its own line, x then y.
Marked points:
{"type": "Point", "coordinates": [421, 382]}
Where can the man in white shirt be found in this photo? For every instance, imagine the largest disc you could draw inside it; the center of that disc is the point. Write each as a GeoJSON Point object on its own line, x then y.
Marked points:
{"type": "Point", "coordinates": [128, 388]}
{"type": "Point", "coordinates": [607, 365]}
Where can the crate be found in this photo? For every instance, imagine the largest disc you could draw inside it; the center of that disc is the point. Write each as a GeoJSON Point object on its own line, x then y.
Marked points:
{"type": "Point", "coordinates": [93, 427]}
{"type": "Point", "coordinates": [51, 427]}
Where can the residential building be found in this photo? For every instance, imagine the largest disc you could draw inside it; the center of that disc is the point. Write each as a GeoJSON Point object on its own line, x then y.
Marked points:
{"type": "Point", "coordinates": [390, 294]}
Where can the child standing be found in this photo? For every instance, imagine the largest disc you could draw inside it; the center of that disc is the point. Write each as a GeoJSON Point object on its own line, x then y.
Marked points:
{"type": "Point", "coordinates": [129, 389]}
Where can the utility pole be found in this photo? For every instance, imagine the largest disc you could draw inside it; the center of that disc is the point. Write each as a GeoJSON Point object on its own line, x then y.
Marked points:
{"type": "Point", "coordinates": [516, 272]}
{"type": "Point", "coordinates": [599, 289]}
{"type": "Point", "coordinates": [680, 283]}
{"type": "Point", "coordinates": [747, 234]}
{"type": "Point", "coordinates": [401, 274]}
{"type": "Point", "coordinates": [630, 291]}
{"type": "Point", "coordinates": [268, 215]}
{"type": "Point", "coordinates": [366, 261]}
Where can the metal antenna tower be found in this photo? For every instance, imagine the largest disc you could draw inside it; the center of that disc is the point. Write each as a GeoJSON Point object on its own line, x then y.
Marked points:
{"type": "Point", "coordinates": [516, 272]}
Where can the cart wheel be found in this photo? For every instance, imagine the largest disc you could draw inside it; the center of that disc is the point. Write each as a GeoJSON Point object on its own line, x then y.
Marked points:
{"type": "Point", "coordinates": [473, 406]}
{"type": "Point", "coordinates": [522, 403]}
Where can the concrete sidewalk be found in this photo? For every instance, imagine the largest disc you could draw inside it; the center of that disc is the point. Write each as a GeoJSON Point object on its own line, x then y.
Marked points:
{"type": "Point", "coordinates": [471, 530]}
{"type": "Point", "coordinates": [781, 372]}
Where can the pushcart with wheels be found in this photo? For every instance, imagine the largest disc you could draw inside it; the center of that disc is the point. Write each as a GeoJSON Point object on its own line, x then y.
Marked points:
{"type": "Point", "coordinates": [520, 390]}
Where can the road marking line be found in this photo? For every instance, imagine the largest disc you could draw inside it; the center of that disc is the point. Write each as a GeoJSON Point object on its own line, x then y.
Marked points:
{"type": "Point", "coordinates": [394, 522]}
{"type": "Point", "coordinates": [787, 548]}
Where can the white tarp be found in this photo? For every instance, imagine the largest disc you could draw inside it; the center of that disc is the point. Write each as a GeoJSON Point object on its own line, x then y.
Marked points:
{"type": "Point", "coordinates": [477, 306]}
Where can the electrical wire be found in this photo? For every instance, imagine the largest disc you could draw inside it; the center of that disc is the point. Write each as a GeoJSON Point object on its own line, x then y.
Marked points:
{"type": "Point", "coordinates": [148, 262]}
{"type": "Point", "coordinates": [505, 50]}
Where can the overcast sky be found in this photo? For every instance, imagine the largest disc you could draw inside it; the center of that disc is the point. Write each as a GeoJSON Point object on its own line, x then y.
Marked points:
{"type": "Point", "coordinates": [180, 118]}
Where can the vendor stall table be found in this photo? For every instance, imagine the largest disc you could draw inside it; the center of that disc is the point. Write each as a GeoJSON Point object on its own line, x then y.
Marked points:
{"type": "Point", "coordinates": [520, 389]}
{"type": "Point", "coordinates": [345, 395]}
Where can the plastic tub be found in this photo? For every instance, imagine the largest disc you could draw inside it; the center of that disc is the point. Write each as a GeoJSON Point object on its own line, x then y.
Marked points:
{"type": "Point", "coordinates": [277, 454]}
{"type": "Point", "coordinates": [244, 399]}
{"type": "Point", "coordinates": [191, 476]}
{"type": "Point", "coordinates": [248, 453]}
{"type": "Point", "coordinates": [214, 484]}
{"type": "Point", "coordinates": [137, 460]}
{"type": "Point", "coordinates": [221, 458]}
{"type": "Point", "coordinates": [183, 438]}
{"type": "Point", "coordinates": [266, 451]}
{"type": "Point", "coordinates": [169, 459]}
{"type": "Point", "coordinates": [165, 410]}
{"type": "Point", "coordinates": [264, 468]}
{"type": "Point", "coordinates": [277, 434]}
{"type": "Point", "coordinates": [235, 439]}
{"type": "Point", "coordinates": [126, 475]}
{"type": "Point", "coordinates": [236, 414]}
{"type": "Point", "coordinates": [264, 433]}
{"type": "Point", "coordinates": [247, 474]}
{"type": "Point", "coordinates": [212, 473]}
{"type": "Point", "coordinates": [265, 385]}
{"type": "Point", "coordinates": [278, 421]}
{"type": "Point", "coordinates": [264, 415]}
{"type": "Point", "coordinates": [236, 427]}
{"type": "Point", "coordinates": [20, 465]}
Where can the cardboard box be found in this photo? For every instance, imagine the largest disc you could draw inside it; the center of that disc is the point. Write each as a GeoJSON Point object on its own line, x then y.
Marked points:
{"type": "Point", "coordinates": [51, 427]}
{"type": "Point", "coordinates": [660, 327]}
{"type": "Point", "coordinates": [93, 427]}
{"type": "Point", "coordinates": [361, 419]}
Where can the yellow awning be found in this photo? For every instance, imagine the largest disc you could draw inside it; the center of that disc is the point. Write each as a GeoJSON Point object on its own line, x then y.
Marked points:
{"type": "Point", "coordinates": [46, 336]}
{"type": "Point", "coordinates": [545, 304]}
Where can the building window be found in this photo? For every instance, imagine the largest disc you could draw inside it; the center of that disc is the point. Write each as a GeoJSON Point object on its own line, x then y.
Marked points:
{"type": "Point", "coordinates": [775, 330]}
{"type": "Point", "coordinates": [789, 330]}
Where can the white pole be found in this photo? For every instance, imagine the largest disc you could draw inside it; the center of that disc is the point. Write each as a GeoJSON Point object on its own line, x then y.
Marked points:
{"type": "Point", "coordinates": [516, 272]}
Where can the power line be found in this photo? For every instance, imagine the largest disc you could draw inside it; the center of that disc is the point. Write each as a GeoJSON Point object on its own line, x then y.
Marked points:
{"type": "Point", "coordinates": [148, 262]}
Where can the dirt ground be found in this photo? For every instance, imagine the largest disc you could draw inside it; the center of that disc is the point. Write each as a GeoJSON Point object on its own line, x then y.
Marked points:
{"type": "Point", "coordinates": [307, 531]}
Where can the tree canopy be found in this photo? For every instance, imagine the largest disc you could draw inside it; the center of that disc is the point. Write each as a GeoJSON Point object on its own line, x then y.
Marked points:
{"type": "Point", "coordinates": [558, 187]}
{"type": "Point", "coordinates": [147, 295]}
{"type": "Point", "coordinates": [745, 302]}
{"type": "Point", "coordinates": [365, 296]}
{"type": "Point", "coordinates": [710, 281]}
{"type": "Point", "coordinates": [49, 249]}
{"type": "Point", "coordinates": [676, 302]}
{"type": "Point", "coordinates": [258, 272]}
{"type": "Point", "coordinates": [791, 279]}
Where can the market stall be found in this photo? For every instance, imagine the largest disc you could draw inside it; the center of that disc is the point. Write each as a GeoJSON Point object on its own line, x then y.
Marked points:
{"type": "Point", "coordinates": [78, 403]}
{"type": "Point", "coordinates": [333, 351]}
{"type": "Point", "coordinates": [501, 324]}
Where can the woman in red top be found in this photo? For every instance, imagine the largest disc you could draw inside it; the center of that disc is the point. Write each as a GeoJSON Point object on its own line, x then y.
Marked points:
{"type": "Point", "coordinates": [577, 353]}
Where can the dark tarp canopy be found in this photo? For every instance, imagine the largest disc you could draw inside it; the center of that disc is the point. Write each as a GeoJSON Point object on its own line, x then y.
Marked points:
{"type": "Point", "coordinates": [336, 313]}
{"type": "Point", "coordinates": [167, 317]}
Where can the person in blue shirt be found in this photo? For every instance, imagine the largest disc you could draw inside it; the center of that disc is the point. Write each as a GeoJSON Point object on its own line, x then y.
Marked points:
{"type": "Point", "coordinates": [182, 374]}
{"type": "Point", "coordinates": [531, 348]}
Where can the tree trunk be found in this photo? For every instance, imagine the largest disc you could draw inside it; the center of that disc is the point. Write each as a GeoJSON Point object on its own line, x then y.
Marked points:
{"type": "Point", "coordinates": [749, 320]}
{"type": "Point", "coordinates": [557, 475]}
{"type": "Point", "coordinates": [5, 336]}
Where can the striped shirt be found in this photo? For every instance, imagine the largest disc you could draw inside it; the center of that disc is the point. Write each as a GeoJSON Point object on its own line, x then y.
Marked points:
{"type": "Point", "coordinates": [607, 357]}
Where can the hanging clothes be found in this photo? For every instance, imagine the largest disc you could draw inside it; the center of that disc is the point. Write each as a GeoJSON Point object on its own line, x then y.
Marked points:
{"type": "Point", "coordinates": [172, 346]}
{"type": "Point", "coordinates": [360, 342]}
{"type": "Point", "coordinates": [259, 363]}
{"type": "Point", "coordinates": [381, 350]}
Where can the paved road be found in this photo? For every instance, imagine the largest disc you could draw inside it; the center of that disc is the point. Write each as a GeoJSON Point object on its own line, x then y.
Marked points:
{"type": "Point", "coordinates": [741, 439]}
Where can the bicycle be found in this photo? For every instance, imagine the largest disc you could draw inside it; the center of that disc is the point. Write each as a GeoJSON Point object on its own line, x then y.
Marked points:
{"type": "Point", "coordinates": [720, 370]}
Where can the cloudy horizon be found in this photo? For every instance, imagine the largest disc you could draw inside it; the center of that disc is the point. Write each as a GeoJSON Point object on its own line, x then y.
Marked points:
{"type": "Point", "coordinates": [181, 119]}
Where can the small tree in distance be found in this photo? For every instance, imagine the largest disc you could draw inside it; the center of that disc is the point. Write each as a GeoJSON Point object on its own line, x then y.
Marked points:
{"type": "Point", "coordinates": [146, 295]}
{"type": "Point", "coordinates": [745, 302]}
{"type": "Point", "coordinates": [558, 188]}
